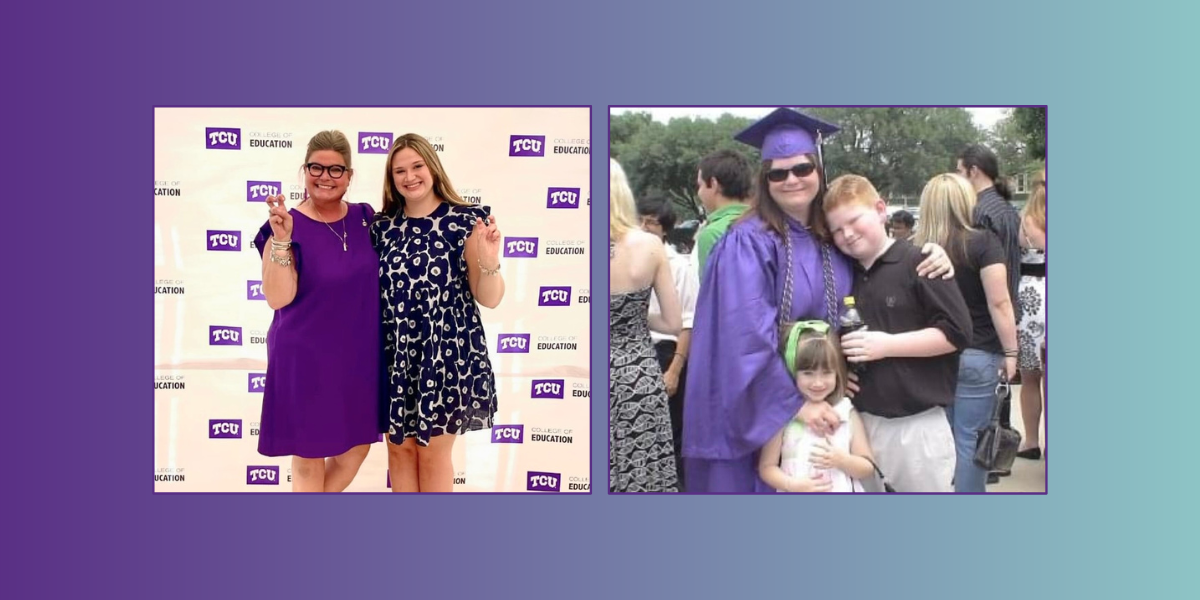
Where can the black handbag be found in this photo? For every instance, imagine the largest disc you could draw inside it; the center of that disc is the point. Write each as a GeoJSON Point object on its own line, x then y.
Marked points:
{"type": "Point", "coordinates": [996, 447]}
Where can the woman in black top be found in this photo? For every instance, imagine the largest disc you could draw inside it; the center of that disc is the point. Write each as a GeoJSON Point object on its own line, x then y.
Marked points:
{"type": "Point", "coordinates": [947, 204]}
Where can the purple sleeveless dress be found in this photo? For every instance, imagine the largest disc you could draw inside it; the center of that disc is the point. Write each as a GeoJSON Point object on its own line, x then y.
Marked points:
{"type": "Point", "coordinates": [322, 393]}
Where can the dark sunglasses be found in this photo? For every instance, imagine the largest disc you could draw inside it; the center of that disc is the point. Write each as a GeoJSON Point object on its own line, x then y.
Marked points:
{"type": "Point", "coordinates": [800, 170]}
{"type": "Point", "coordinates": [318, 169]}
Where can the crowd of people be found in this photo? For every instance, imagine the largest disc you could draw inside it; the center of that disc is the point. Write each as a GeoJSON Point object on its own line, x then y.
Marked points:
{"type": "Point", "coordinates": [739, 367]}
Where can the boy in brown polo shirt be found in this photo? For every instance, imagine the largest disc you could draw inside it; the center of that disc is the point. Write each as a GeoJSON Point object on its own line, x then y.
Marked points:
{"type": "Point", "coordinates": [915, 329]}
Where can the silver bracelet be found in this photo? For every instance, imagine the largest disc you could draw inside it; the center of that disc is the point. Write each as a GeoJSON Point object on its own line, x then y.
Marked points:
{"type": "Point", "coordinates": [285, 260]}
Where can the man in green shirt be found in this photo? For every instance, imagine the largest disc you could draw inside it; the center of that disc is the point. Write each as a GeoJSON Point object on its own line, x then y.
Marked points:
{"type": "Point", "coordinates": [724, 187]}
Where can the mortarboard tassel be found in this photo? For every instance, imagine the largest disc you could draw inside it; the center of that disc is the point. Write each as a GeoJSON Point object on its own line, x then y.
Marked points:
{"type": "Point", "coordinates": [821, 159]}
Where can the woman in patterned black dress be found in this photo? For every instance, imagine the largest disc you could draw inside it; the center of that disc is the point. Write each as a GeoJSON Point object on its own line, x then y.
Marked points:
{"type": "Point", "coordinates": [438, 257]}
{"type": "Point", "coordinates": [641, 456]}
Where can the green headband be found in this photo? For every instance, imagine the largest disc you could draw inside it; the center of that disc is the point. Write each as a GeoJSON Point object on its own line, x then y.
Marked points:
{"type": "Point", "coordinates": [792, 345]}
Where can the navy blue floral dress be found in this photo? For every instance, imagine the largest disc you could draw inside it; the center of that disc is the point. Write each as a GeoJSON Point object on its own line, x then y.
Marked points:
{"type": "Point", "coordinates": [439, 379]}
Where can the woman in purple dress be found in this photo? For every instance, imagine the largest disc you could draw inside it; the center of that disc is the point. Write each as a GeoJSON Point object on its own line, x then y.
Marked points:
{"type": "Point", "coordinates": [320, 275]}
{"type": "Point", "coordinates": [439, 259]}
{"type": "Point", "coordinates": [739, 393]}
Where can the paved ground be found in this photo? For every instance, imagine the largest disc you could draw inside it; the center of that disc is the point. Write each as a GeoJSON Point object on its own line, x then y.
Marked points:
{"type": "Point", "coordinates": [1027, 475]}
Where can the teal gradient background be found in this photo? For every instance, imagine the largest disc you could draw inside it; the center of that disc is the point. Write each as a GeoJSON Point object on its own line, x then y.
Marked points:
{"type": "Point", "coordinates": [1122, 128]}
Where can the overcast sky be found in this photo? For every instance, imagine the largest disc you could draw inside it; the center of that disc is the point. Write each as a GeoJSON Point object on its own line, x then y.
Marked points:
{"type": "Point", "coordinates": [983, 117]}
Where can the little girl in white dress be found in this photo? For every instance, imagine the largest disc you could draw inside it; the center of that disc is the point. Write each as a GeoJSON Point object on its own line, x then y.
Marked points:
{"type": "Point", "coordinates": [796, 460]}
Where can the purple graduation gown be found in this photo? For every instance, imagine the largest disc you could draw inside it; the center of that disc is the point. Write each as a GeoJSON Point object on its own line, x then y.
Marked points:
{"type": "Point", "coordinates": [739, 393]}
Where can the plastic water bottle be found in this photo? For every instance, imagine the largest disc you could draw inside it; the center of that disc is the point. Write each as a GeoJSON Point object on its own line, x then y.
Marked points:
{"type": "Point", "coordinates": [851, 321]}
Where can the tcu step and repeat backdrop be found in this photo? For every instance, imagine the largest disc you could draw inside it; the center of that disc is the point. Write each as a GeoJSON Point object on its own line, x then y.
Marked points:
{"type": "Point", "coordinates": [214, 168]}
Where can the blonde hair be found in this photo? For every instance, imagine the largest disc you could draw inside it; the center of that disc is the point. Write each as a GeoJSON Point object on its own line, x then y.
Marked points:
{"type": "Point", "coordinates": [622, 209]}
{"type": "Point", "coordinates": [850, 189]}
{"type": "Point", "coordinates": [329, 140]}
{"type": "Point", "coordinates": [393, 200]}
{"type": "Point", "coordinates": [947, 203]}
{"type": "Point", "coordinates": [326, 140]}
{"type": "Point", "coordinates": [1035, 208]}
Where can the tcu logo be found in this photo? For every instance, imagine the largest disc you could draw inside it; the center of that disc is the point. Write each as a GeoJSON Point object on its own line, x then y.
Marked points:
{"type": "Point", "coordinates": [508, 434]}
{"type": "Point", "coordinates": [527, 145]}
{"type": "Point", "coordinates": [224, 336]}
{"type": "Point", "coordinates": [224, 240]}
{"type": "Point", "coordinates": [555, 296]}
{"type": "Point", "coordinates": [516, 247]}
{"type": "Point", "coordinates": [547, 388]}
{"type": "Point", "coordinates": [562, 198]}
{"type": "Point", "coordinates": [257, 191]}
{"type": "Point", "coordinates": [262, 475]}
{"type": "Point", "coordinates": [372, 142]}
{"type": "Point", "coordinates": [543, 482]}
{"type": "Point", "coordinates": [512, 343]}
{"type": "Point", "coordinates": [223, 138]}
{"type": "Point", "coordinates": [225, 429]}
{"type": "Point", "coordinates": [254, 290]}
{"type": "Point", "coordinates": [256, 383]}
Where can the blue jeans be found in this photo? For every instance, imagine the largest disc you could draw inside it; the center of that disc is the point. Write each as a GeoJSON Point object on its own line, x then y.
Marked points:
{"type": "Point", "coordinates": [974, 401]}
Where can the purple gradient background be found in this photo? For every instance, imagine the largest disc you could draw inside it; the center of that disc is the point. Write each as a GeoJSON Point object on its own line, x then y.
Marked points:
{"type": "Point", "coordinates": [83, 81]}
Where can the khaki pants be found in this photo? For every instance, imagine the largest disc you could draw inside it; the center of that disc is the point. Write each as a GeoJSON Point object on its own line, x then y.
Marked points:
{"type": "Point", "coordinates": [916, 453]}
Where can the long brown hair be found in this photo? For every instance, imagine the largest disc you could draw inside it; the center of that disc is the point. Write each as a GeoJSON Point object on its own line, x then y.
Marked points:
{"type": "Point", "coordinates": [393, 200]}
{"type": "Point", "coordinates": [765, 208]}
{"type": "Point", "coordinates": [817, 351]}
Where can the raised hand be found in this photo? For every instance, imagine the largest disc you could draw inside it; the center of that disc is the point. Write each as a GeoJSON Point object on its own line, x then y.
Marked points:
{"type": "Point", "coordinates": [489, 240]}
{"type": "Point", "coordinates": [279, 218]}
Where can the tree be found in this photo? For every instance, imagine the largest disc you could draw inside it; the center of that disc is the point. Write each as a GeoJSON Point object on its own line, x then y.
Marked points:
{"type": "Point", "coordinates": [1011, 144]}
{"type": "Point", "coordinates": [625, 126]}
{"type": "Point", "coordinates": [1008, 142]}
{"type": "Point", "coordinates": [665, 158]}
{"type": "Point", "coordinates": [1031, 122]}
{"type": "Point", "coordinates": [897, 148]}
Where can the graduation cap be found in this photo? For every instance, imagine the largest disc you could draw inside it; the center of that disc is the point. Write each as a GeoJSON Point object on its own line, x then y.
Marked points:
{"type": "Point", "coordinates": [787, 132]}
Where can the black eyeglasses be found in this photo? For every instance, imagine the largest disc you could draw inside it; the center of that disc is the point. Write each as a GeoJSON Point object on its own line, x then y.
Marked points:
{"type": "Point", "coordinates": [800, 170]}
{"type": "Point", "coordinates": [318, 169]}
